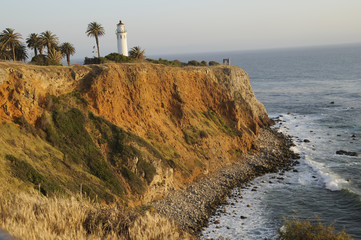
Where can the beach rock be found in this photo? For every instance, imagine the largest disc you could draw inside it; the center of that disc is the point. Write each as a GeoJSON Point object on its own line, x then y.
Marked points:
{"type": "Point", "coordinates": [332, 102]}
{"type": "Point", "coordinates": [306, 141]}
{"type": "Point", "coordinates": [343, 152]}
{"type": "Point", "coordinates": [199, 201]}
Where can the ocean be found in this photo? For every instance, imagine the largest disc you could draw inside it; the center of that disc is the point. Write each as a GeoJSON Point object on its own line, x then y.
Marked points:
{"type": "Point", "coordinates": [315, 95]}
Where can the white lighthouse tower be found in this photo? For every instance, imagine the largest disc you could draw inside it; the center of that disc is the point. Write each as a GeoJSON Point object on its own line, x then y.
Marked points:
{"type": "Point", "coordinates": [122, 39]}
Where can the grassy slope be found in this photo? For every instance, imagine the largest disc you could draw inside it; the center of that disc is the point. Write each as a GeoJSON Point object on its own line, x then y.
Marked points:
{"type": "Point", "coordinates": [63, 154]}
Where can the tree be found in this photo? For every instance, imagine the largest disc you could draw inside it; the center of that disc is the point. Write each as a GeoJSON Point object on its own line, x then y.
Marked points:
{"type": "Point", "coordinates": [4, 54]}
{"type": "Point", "coordinates": [8, 40]}
{"type": "Point", "coordinates": [95, 30]}
{"type": "Point", "coordinates": [137, 53]}
{"type": "Point", "coordinates": [67, 49]}
{"type": "Point", "coordinates": [49, 40]}
{"type": "Point", "coordinates": [21, 53]}
{"type": "Point", "coordinates": [35, 42]}
{"type": "Point", "coordinates": [54, 57]}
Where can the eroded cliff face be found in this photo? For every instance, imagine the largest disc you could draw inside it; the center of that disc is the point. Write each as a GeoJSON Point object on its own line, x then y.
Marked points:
{"type": "Point", "coordinates": [155, 127]}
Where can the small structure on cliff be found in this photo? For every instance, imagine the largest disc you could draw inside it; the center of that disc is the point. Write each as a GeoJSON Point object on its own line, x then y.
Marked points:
{"type": "Point", "coordinates": [122, 39]}
{"type": "Point", "coordinates": [227, 61]}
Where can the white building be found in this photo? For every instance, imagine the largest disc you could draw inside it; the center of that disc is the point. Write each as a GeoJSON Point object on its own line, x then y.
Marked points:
{"type": "Point", "coordinates": [122, 39]}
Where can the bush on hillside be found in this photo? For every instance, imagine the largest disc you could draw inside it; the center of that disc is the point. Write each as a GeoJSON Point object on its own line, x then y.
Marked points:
{"type": "Point", "coordinates": [299, 230]}
{"type": "Point", "coordinates": [43, 60]}
{"type": "Point", "coordinates": [193, 63]}
{"type": "Point", "coordinates": [95, 60]}
{"type": "Point", "coordinates": [204, 63]}
{"type": "Point", "coordinates": [118, 58]}
{"type": "Point", "coordinates": [174, 63]}
{"type": "Point", "coordinates": [213, 63]}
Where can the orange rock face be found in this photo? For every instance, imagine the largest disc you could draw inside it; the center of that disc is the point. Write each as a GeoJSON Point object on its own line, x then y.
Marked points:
{"type": "Point", "coordinates": [199, 118]}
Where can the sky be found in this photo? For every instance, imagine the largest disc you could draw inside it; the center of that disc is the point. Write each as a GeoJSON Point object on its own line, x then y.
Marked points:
{"type": "Point", "coordinates": [189, 26]}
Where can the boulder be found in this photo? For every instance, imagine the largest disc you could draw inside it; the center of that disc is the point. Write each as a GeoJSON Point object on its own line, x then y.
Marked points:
{"type": "Point", "coordinates": [343, 152]}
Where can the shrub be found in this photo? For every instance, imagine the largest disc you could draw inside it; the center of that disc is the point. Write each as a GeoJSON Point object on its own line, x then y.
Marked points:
{"type": "Point", "coordinates": [43, 60]}
{"type": "Point", "coordinates": [192, 135]}
{"type": "Point", "coordinates": [118, 58]}
{"type": "Point", "coordinates": [204, 63]}
{"type": "Point", "coordinates": [194, 63]}
{"type": "Point", "coordinates": [66, 131]}
{"type": "Point", "coordinates": [213, 63]}
{"type": "Point", "coordinates": [40, 60]}
{"type": "Point", "coordinates": [220, 122]}
{"type": "Point", "coordinates": [299, 230]}
{"type": "Point", "coordinates": [25, 172]}
{"type": "Point", "coordinates": [174, 63]}
{"type": "Point", "coordinates": [94, 60]}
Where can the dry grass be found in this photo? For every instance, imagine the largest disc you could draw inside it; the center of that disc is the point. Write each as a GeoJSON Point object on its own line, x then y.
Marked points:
{"type": "Point", "coordinates": [33, 216]}
{"type": "Point", "coordinates": [152, 226]}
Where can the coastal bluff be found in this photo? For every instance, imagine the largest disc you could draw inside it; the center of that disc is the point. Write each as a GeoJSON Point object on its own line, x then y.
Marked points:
{"type": "Point", "coordinates": [123, 132]}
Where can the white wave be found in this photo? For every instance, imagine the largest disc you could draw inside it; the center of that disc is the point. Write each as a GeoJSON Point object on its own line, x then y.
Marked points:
{"type": "Point", "coordinates": [332, 181]}
{"type": "Point", "coordinates": [295, 149]}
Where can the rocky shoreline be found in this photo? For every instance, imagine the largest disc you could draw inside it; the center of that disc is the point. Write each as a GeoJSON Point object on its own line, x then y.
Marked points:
{"type": "Point", "coordinates": [191, 208]}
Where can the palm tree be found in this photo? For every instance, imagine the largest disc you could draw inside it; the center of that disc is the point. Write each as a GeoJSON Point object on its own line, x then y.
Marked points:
{"type": "Point", "coordinates": [95, 30]}
{"type": "Point", "coordinates": [54, 57]}
{"type": "Point", "coordinates": [34, 42]}
{"type": "Point", "coordinates": [8, 40]}
{"type": "Point", "coordinates": [21, 53]}
{"type": "Point", "coordinates": [67, 49]}
{"type": "Point", "coordinates": [49, 40]}
{"type": "Point", "coordinates": [137, 53]}
{"type": "Point", "coordinates": [4, 54]}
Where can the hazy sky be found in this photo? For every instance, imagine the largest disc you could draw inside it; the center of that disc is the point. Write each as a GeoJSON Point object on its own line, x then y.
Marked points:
{"type": "Point", "coordinates": [186, 26]}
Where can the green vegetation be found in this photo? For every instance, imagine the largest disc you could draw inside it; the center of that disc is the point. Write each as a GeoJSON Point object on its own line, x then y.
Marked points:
{"type": "Point", "coordinates": [174, 63]}
{"type": "Point", "coordinates": [193, 135]}
{"type": "Point", "coordinates": [95, 30]}
{"type": "Point", "coordinates": [25, 172]}
{"type": "Point", "coordinates": [67, 49]}
{"type": "Point", "coordinates": [137, 53]}
{"type": "Point", "coordinates": [118, 58]}
{"type": "Point", "coordinates": [49, 40]}
{"type": "Point", "coordinates": [300, 230]}
{"type": "Point", "coordinates": [213, 63]}
{"type": "Point", "coordinates": [134, 181]}
{"type": "Point", "coordinates": [123, 154]}
{"type": "Point", "coordinates": [66, 131]}
{"type": "Point", "coordinates": [11, 46]}
{"type": "Point", "coordinates": [220, 122]}
{"type": "Point", "coordinates": [54, 57]}
{"type": "Point", "coordinates": [78, 150]}
{"type": "Point", "coordinates": [194, 63]}
{"type": "Point", "coordinates": [95, 60]}
{"type": "Point", "coordinates": [34, 42]}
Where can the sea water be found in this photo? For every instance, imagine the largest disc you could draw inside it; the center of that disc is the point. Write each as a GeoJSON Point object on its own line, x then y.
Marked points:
{"type": "Point", "coordinates": [315, 94]}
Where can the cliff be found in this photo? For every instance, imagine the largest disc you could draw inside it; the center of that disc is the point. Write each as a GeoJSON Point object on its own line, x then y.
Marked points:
{"type": "Point", "coordinates": [130, 132]}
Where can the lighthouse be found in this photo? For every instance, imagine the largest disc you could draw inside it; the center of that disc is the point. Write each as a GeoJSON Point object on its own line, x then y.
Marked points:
{"type": "Point", "coordinates": [122, 39]}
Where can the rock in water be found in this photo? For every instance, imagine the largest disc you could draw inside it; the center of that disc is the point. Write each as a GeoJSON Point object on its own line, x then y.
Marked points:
{"type": "Point", "coordinates": [343, 152]}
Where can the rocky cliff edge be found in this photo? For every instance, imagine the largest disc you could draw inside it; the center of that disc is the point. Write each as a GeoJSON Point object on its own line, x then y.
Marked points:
{"type": "Point", "coordinates": [130, 132]}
